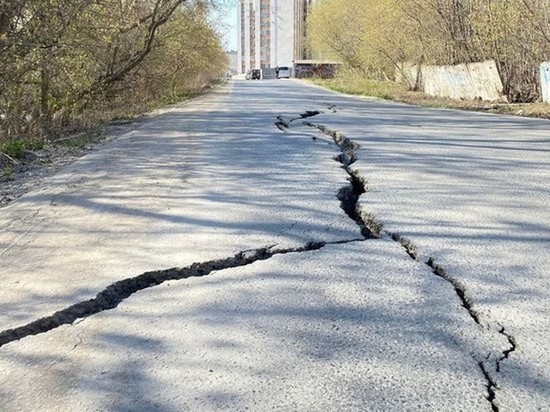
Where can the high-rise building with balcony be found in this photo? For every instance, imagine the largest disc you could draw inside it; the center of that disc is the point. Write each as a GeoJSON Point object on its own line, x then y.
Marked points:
{"type": "Point", "coordinates": [272, 33]}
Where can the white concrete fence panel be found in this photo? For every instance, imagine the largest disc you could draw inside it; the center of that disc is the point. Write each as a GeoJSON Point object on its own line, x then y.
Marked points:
{"type": "Point", "coordinates": [463, 81]}
{"type": "Point", "coordinates": [545, 81]}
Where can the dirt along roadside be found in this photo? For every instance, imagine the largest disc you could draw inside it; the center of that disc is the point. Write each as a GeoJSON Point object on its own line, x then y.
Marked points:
{"type": "Point", "coordinates": [18, 176]}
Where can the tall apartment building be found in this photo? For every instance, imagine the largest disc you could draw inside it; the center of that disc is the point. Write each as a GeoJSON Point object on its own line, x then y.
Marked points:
{"type": "Point", "coordinates": [271, 33]}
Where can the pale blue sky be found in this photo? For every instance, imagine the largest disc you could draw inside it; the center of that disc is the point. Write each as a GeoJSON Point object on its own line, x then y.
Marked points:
{"type": "Point", "coordinates": [230, 20]}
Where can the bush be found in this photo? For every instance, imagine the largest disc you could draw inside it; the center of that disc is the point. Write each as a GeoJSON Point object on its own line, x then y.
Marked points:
{"type": "Point", "coordinates": [67, 65]}
{"type": "Point", "coordinates": [374, 37]}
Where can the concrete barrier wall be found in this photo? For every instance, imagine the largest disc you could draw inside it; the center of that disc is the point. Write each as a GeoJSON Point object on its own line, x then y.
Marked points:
{"type": "Point", "coordinates": [545, 81]}
{"type": "Point", "coordinates": [464, 81]}
{"type": "Point", "coordinates": [407, 73]}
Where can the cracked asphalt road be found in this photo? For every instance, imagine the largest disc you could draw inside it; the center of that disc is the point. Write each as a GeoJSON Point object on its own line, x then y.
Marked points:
{"type": "Point", "coordinates": [290, 306]}
{"type": "Point", "coordinates": [470, 193]}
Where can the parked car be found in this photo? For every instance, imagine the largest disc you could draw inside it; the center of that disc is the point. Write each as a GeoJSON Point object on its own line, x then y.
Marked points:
{"type": "Point", "coordinates": [254, 74]}
{"type": "Point", "coordinates": [284, 73]}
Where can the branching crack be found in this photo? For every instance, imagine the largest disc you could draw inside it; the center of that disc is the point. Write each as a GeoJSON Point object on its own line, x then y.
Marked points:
{"type": "Point", "coordinates": [347, 146]}
{"type": "Point", "coordinates": [513, 345]}
{"type": "Point", "coordinates": [492, 386]}
{"type": "Point", "coordinates": [349, 194]}
{"type": "Point", "coordinates": [370, 228]}
{"type": "Point", "coordinates": [114, 294]}
{"type": "Point", "coordinates": [283, 124]}
{"type": "Point", "coordinates": [308, 113]}
{"type": "Point", "coordinates": [329, 106]}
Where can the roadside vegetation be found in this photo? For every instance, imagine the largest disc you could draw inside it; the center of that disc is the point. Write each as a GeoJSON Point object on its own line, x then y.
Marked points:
{"type": "Point", "coordinates": [69, 65]}
{"type": "Point", "coordinates": [352, 83]}
{"type": "Point", "coordinates": [373, 38]}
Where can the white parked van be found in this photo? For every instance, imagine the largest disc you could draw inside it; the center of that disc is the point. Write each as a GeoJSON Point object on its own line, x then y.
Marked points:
{"type": "Point", "coordinates": [284, 72]}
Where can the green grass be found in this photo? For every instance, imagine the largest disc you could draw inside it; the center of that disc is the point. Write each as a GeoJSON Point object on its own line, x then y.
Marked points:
{"type": "Point", "coordinates": [353, 84]}
{"type": "Point", "coordinates": [16, 148]}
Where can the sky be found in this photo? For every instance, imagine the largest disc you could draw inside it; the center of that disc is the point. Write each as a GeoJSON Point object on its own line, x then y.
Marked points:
{"type": "Point", "coordinates": [230, 36]}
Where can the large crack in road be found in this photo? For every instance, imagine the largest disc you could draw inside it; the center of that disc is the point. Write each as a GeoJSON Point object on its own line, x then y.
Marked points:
{"type": "Point", "coordinates": [283, 124]}
{"type": "Point", "coordinates": [114, 294]}
{"type": "Point", "coordinates": [371, 228]}
{"type": "Point", "coordinates": [349, 195]}
{"type": "Point", "coordinates": [110, 297]}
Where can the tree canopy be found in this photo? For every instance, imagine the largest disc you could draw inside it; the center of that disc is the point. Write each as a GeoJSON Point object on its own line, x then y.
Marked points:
{"type": "Point", "coordinates": [375, 36]}
{"type": "Point", "coordinates": [62, 59]}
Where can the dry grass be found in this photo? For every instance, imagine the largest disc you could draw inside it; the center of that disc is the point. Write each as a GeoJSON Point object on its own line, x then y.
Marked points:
{"type": "Point", "coordinates": [89, 121]}
{"type": "Point", "coordinates": [397, 92]}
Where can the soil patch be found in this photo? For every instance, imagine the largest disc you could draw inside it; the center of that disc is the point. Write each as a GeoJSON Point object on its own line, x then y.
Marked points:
{"type": "Point", "coordinates": [18, 176]}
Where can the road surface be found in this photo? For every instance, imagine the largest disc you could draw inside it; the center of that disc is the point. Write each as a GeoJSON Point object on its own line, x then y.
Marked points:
{"type": "Point", "coordinates": [218, 258]}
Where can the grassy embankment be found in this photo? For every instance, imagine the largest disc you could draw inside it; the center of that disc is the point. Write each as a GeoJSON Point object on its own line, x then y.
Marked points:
{"type": "Point", "coordinates": [397, 92]}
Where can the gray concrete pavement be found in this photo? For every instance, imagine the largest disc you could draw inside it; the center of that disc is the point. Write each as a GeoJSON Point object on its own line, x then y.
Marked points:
{"type": "Point", "coordinates": [354, 325]}
{"type": "Point", "coordinates": [471, 192]}
{"type": "Point", "coordinates": [349, 327]}
{"type": "Point", "coordinates": [197, 183]}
